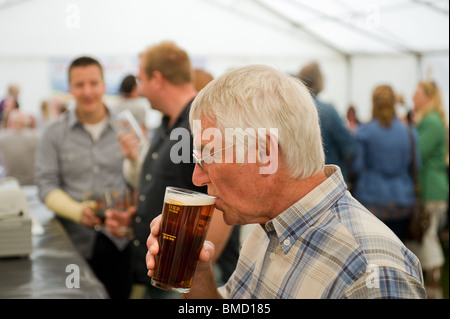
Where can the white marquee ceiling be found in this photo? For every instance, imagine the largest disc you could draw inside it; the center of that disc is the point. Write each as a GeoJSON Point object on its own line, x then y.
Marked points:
{"type": "Point", "coordinates": [346, 27]}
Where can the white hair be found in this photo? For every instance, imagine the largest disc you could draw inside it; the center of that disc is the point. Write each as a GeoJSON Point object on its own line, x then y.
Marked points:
{"type": "Point", "coordinates": [260, 97]}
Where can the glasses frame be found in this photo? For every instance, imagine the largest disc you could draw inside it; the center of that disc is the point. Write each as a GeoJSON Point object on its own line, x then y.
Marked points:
{"type": "Point", "coordinates": [201, 160]}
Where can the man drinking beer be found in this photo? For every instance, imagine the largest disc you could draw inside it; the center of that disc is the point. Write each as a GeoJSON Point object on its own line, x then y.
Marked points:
{"type": "Point", "coordinates": [312, 238]}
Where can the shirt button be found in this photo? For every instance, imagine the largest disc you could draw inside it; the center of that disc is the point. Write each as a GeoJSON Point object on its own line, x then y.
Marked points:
{"type": "Point", "coordinates": [287, 241]}
{"type": "Point", "coordinates": [154, 155]}
{"type": "Point", "coordinates": [142, 198]}
{"type": "Point", "coordinates": [136, 242]}
{"type": "Point", "coordinates": [138, 219]}
{"type": "Point", "coordinates": [148, 177]}
{"type": "Point", "coordinates": [272, 256]}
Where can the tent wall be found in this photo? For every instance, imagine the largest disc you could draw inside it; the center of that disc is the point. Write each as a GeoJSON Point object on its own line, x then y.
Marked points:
{"type": "Point", "coordinates": [346, 81]}
{"type": "Point", "coordinates": [367, 72]}
{"type": "Point", "coordinates": [218, 35]}
{"type": "Point", "coordinates": [34, 74]}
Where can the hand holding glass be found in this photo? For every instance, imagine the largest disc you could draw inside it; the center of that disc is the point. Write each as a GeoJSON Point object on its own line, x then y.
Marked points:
{"type": "Point", "coordinates": [126, 123]}
{"type": "Point", "coordinates": [185, 221]}
{"type": "Point", "coordinates": [115, 199]}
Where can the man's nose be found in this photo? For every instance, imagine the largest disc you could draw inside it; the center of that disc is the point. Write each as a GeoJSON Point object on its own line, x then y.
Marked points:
{"type": "Point", "coordinates": [87, 89]}
{"type": "Point", "coordinates": [199, 177]}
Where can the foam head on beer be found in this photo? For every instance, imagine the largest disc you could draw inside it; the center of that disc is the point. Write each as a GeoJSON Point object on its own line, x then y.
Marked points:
{"type": "Point", "coordinates": [185, 220]}
{"type": "Point", "coordinates": [186, 198]}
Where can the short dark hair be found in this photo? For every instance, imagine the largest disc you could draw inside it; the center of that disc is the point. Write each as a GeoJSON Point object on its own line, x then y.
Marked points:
{"type": "Point", "coordinates": [84, 61]}
{"type": "Point", "coordinates": [128, 84]}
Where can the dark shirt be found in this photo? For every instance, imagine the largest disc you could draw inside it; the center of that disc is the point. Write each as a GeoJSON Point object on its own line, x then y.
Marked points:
{"type": "Point", "coordinates": [158, 172]}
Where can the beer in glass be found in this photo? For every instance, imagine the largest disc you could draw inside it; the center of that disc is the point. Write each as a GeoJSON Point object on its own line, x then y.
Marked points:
{"type": "Point", "coordinates": [185, 220]}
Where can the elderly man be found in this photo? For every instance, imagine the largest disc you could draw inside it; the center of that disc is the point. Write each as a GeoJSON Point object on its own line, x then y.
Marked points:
{"type": "Point", "coordinates": [314, 240]}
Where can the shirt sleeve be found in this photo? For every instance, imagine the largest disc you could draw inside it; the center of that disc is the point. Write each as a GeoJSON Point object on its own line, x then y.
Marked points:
{"type": "Point", "coordinates": [63, 205]}
{"type": "Point", "coordinates": [47, 168]}
{"type": "Point", "coordinates": [385, 282]}
{"type": "Point", "coordinates": [223, 291]}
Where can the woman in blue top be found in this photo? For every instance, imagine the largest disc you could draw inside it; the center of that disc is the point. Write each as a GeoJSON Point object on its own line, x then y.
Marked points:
{"type": "Point", "coordinates": [383, 163]}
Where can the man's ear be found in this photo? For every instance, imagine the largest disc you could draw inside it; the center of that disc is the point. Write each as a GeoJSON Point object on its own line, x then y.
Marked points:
{"type": "Point", "coordinates": [267, 158]}
{"type": "Point", "coordinates": [158, 78]}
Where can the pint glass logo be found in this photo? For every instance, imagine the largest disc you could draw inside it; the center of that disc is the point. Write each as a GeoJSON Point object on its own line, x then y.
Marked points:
{"type": "Point", "coordinates": [174, 209]}
{"type": "Point", "coordinates": [169, 237]}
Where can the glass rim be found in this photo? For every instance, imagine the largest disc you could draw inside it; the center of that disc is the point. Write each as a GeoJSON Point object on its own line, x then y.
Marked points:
{"type": "Point", "coordinates": [188, 191]}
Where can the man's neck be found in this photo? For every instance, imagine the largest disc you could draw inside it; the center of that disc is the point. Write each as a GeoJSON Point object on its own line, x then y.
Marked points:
{"type": "Point", "coordinates": [92, 117]}
{"type": "Point", "coordinates": [294, 190]}
{"type": "Point", "coordinates": [178, 98]}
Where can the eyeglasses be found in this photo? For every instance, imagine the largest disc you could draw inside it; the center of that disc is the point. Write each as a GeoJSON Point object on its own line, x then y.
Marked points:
{"type": "Point", "coordinates": [199, 161]}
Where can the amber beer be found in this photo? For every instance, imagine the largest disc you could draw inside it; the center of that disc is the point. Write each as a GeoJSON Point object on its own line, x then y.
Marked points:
{"type": "Point", "coordinates": [185, 220]}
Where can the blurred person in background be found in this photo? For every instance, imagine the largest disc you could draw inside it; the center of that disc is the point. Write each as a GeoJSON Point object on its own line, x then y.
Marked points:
{"type": "Point", "coordinates": [201, 79]}
{"type": "Point", "coordinates": [9, 105]}
{"type": "Point", "coordinates": [18, 143]}
{"type": "Point", "coordinates": [13, 93]}
{"type": "Point", "coordinates": [165, 79]}
{"type": "Point", "coordinates": [130, 100]}
{"type": "Point", "coordinates": [432, 128]}
{"type": "Point", "coordinates": [339, 145]}
{"type": "Point", "coordinates": [382, 166]}
{"type": "Point", "coordinates": [79, 153]}
{"type": "Point", "coordinates": [50, 110]}
{"type": "Point", "coordinates": [352, 122]}
{"type": "Point", "coordinates": [401, 109]}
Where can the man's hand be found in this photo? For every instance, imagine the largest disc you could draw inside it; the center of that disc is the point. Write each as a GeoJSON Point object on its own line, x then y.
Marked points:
{"type": "Point", "coordinates": [152, 245]}
{"type": "Point", "coordinates": [89, 219]}
{"type": "Point", "coordinates": [205, 257]}
{"type": "Point", "coordinates": [118, 223]}
{"type": "Point", "coordinates": [129, 143]}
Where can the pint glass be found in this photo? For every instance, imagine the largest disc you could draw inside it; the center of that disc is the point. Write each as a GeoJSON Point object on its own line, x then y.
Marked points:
{"type": "Point", "coordinates": [185, 220]}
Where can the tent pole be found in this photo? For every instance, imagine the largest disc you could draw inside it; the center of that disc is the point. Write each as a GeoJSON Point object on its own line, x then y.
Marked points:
{"type": "Point", "coordinates": [348, 64]}
{"type": "Point", "coordinates": [419, 58]}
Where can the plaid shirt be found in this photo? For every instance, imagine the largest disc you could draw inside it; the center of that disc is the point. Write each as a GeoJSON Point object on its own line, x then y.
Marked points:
{"type": "Point", "coordinates": [326, 245]}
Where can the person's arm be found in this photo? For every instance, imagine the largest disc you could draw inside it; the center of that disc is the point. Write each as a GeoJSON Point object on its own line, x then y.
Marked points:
{"type": "Point", "coordinates": [79, 212]}
{"type": "Point", "coordinates": [203, 284]}
{"type": "Point", "coordinates": [134, 153]}
{"type": "Point", "coordinates": [47, 166]}
{"type": "Point", "coordinates": [118, 223]}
